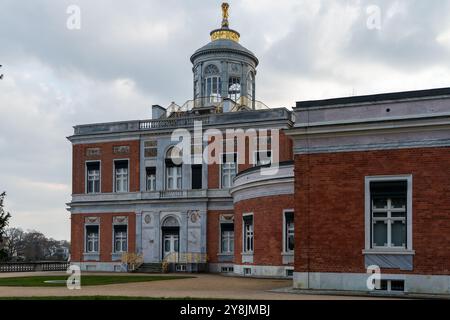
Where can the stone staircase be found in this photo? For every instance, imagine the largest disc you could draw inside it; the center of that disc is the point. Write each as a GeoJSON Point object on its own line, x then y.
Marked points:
{"type": "Point", "coordinates": [150, 268]}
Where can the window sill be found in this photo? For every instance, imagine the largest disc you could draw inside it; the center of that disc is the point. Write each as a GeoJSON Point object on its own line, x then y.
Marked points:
{"type": "Point", "coordinates": [389, 252]}
{"type": "Point", "coordinates": [287, 253]}
{"type": "Point", "coordinates": [225, 254]}
{"type": "Point", "coordinates": [91, 253]}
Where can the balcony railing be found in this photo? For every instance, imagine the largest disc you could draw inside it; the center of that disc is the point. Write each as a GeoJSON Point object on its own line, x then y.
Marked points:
{"type": "Point", "coordinates": [217, 102]}
{"type": "Point", "coordinates": [224, 110]}
{"type": "Point", "coordinates": [171, 122]}
{"type": "Point", "coordinates": [34, 266]}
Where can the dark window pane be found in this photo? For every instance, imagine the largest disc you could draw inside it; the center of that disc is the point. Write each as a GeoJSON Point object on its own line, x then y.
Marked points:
{"type": "Point", "coordinates": [398, 234]}
{"type": "Point", "coordinates": [380, 203]}
{"type": "Point", "coordinates": [196, 177]}
{"type": "Point", "coordinates": [397, 285]}
{"type": "Point", "coordinates": [380, 234]}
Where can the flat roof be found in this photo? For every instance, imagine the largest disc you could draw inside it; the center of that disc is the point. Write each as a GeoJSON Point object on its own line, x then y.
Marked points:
{"type": "Point", "coordinates": [375, 98]}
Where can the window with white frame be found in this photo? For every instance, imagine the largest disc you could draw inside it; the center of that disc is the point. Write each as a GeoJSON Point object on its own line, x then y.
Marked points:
{"type": "Point", "coordinates": [93, 177]}
{"type": "Point", "coordinates": [228, 169]}
{"type": "Point", "coordinates": [151, 178]}
{"type": "Point", "coordinates": [248, 234]}
{"type": "Point", "coordinates": [288, 232]}
{"type": "Point", "coordinates": [92, 239]}
{"type": "Point", "coordinates": [173, 177]}
{"type": "Point", "coordinates": [174, 172]}
{"type": "Point", "coordinates": [120, 238]}
{"type": "Point", "coordinates": [213, 88]}
{"type": "Point", "coordinates": [227, 238]}
{"type": "Point", "coordinates": [121, 175]}
{"type": "Point", "coordinates": [389, 214]}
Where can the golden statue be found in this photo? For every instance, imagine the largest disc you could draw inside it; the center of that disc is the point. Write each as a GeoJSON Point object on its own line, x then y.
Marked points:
{"type": "Point", "coordinates": [225, 33]}
{"type": "Point", "coordinates": [225, 7]}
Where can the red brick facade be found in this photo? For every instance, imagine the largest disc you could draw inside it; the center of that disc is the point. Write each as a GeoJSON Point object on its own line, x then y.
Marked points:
{"type": "Point", "coordinates": [268, 228]}
{"type": "Point", "coordinates": [329, 208]}
{"type": "Point", "coordinates": [106, 237]}
{"type": "Point", "coordinates": [107, 157]}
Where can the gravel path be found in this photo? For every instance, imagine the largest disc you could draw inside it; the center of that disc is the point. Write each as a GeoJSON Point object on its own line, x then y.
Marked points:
{"type": "Point", "coordinates": [202, 286]}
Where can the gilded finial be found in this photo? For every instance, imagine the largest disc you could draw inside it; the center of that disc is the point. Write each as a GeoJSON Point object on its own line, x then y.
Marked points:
{"type": "Point", "coordinates": [225, 33]}
{"type": "Point", "coordinates": [225, 15]}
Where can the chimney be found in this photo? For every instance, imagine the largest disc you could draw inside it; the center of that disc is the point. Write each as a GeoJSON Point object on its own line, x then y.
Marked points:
{"type": "Point", "coordinates": [158, 112]}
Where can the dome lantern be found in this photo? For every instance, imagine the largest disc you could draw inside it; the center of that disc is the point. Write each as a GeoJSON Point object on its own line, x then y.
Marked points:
{"type": "Point", "coordinates": [224, 70]}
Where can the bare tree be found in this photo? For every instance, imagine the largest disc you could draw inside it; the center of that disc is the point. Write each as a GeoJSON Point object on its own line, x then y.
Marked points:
{"type": "Point", "coordinates": [4, 220]}
{"type": "Point", "coordinates": [14, 243]}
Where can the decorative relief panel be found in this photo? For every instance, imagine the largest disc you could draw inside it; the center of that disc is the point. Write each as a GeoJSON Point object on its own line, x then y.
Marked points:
{"type": "Point", "coordinates": [235, 68]}
{"type": "Point", "coordinates": [120, 220]}
{"type": "Point", "coordinates": [92, 220]}
{"type": "Point", "coordinates": [147, 219]}
{"type": "Point", "coordinates": [194, 216]}
{"type": "Point", "coordinates": [93, 152]}
{"type": "Point", "coordinates": [227, 217]}
{"type": "Point", "coordinates": [151, 149]}
{"type": "Point", "coordinates": [121, 150]}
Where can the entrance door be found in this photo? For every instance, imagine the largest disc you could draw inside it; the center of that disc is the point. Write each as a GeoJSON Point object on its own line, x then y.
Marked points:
{"type": "Point", "coordinates": [171, 244]}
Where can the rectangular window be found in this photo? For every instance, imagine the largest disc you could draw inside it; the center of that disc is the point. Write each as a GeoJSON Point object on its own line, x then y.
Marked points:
{"type": "Point", "coordinates": [93, 177]}
{"type": "Point", "coordinates": [227, 238]}
{"type": "Point", "coordinates": [92, 239]}
{"type": "Point", "coordinates": [248, 234]}
{"type": "Point", "coordinates": [121, 175]}
{"type": "Point", "coordinates": [120, 238]}
{"type": "Point", "coordinates": [213, 88]}
{"type": "Point", "coordinates": [228, 169]}
{"type": "Point", "coordinates": [388, 214]}
{"type": "Point", "coordinates": [289, 232]}
{"type": "Point", "coordinates": [151, 178]}
{"type": "Point", "coordinates": [196, 177]}
{"type": "Point", "coordinates": [174, 178]}
{"type": "Point", "coordinates": [151, 149]}
{"type": "Point", "coordinates": [392, 285]}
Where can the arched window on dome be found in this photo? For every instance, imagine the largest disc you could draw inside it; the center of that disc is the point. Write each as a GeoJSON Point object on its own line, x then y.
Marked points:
{"type": "Point", "coordinates": [213, 83]}
{"type": "Point", "coordinates": [174, 169]}
{"type": "Point", "coordinates": [234, 88]}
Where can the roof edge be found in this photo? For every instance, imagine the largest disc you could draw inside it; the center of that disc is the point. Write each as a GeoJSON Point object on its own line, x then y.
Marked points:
{"type": "Point", "coordinates": [376, 98]}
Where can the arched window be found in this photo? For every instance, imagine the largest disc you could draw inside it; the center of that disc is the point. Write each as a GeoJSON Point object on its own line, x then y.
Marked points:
{"type": "Point", "coordinates": [234, 88]}
{"type": "Point", "coordinates": [213, 83]}
{"type": "Point", "coordinates": [174, 171]}
{"type": "Point", "coordinates": [170, 222]}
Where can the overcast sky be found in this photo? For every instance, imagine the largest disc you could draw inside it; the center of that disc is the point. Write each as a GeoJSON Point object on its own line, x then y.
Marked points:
{"type": "Point", "coordinates": [131, 54]}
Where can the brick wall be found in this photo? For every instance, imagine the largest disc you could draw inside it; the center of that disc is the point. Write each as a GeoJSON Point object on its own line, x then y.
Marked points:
{"type": "Point", "coordinates": [106, 240]}
{"type": "Point", "coordinates": [267, 226]}
{"type": "Point", "coordinates": [329, 207]}
{"type": "Point", "coordinates": [107, 157]}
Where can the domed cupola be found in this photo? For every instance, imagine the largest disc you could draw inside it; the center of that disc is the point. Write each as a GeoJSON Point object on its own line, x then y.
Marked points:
{"type": "Point", "coordinates": [224, 70]}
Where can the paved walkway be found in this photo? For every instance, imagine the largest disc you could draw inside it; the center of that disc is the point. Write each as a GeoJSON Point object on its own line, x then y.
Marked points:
{"type": "Point", "coordinates": [202, 286]}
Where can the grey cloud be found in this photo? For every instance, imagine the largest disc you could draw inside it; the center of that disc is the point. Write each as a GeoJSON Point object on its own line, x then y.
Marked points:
{"type": "Point", "coordinates": [131, 54]}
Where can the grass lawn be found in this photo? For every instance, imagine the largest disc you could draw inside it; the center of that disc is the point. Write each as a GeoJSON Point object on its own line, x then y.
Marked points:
{"type": "Point", "coordinates": [83, 298]}
{"type": "Point", "coordinates": [90, 280]}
